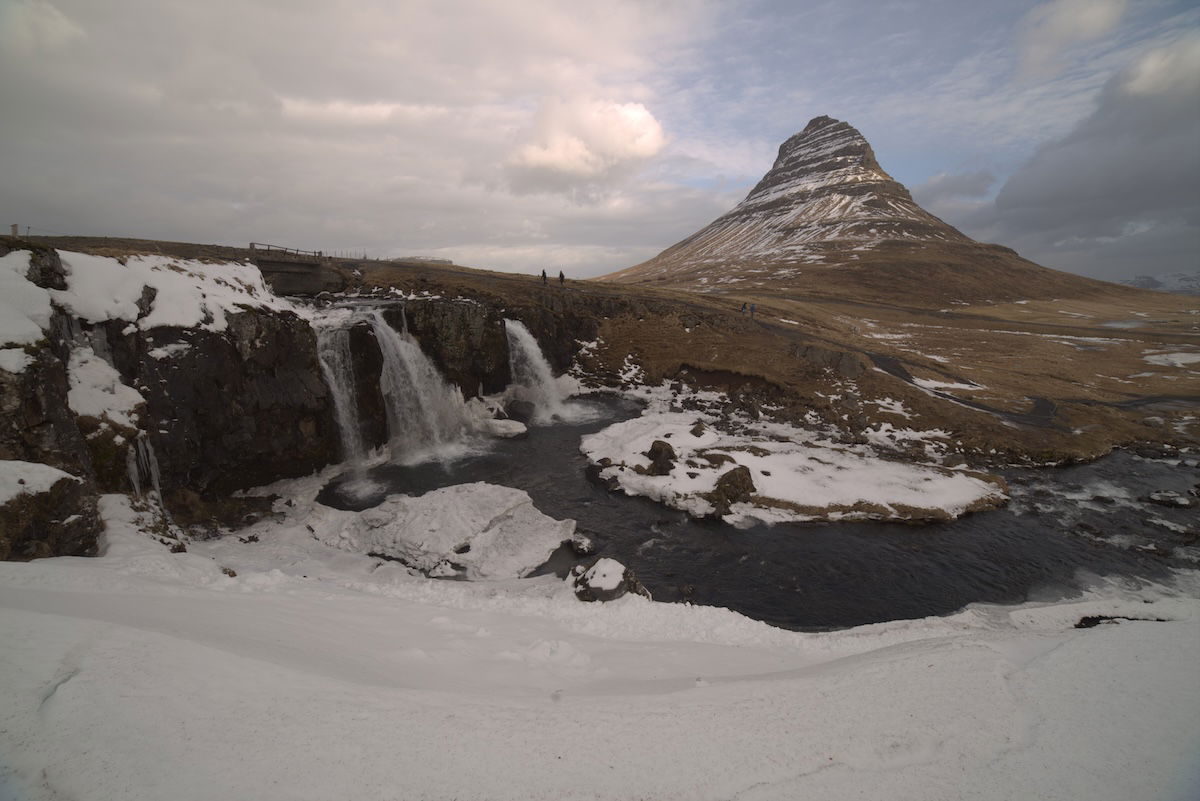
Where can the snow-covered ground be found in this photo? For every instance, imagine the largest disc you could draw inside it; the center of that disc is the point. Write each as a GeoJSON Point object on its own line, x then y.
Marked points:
{"type": "Point", "coordinates": [798, 474]}
{"type": "Point", "coordinates": [315, 673]}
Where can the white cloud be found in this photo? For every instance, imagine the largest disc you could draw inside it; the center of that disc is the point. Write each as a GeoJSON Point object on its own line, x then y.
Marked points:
{"type": "Point", "coordinates": [1054, 27]}
{"type": "Point", "coordinates": [1169, 69]}
{"type": "Point", "coordinates": [351, 113]}
{"type": "Point", "coordinates": [28, 27]}
{"type": "Point", "coordinates": [580, 142]}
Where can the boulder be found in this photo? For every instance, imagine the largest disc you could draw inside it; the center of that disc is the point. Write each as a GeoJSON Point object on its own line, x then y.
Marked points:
{"type": "Point", "coordinates": [662, 458]}
{"type": "Point", "coordinates": [734, 486]}
{"type": "Point", "coordinates": [606, 580]}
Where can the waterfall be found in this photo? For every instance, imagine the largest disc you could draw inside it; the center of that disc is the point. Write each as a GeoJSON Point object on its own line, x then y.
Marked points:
{"type": "Point", "coordinates": [337, 366]}
{"type": "Point", "coordinates": [425, 412]}
{"type": "Point", "coordinates": [531, 374]}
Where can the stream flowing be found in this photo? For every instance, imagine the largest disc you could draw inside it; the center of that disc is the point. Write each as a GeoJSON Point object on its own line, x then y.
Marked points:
{"type": "Point", "coordinates": [1064, 529]}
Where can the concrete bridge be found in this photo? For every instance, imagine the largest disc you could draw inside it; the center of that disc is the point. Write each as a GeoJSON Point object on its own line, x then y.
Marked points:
{"type": "Point", "coordinates": [291, 271]}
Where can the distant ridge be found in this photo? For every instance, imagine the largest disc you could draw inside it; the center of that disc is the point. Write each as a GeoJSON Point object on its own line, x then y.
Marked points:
{"type": "Point", "coordinates": [827, 219]}
{"type": "Point", "coordinates": [1176, 283]}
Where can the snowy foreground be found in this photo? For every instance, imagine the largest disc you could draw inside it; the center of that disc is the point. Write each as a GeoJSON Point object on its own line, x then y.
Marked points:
{"type": "Point", "coordinates": [317, 673]}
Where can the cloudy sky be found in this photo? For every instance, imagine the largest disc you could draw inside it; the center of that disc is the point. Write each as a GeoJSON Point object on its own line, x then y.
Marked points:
{"type": "Point", "coordinates": [522, 134]}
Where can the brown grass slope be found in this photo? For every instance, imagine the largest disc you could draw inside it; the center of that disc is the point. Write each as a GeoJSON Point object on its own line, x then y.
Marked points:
{"type": "Point", "coordinates": [1042, 379]}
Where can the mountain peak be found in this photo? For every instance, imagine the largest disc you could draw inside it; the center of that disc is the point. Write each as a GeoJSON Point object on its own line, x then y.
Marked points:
{"type": "Point", "coordinates": [825, 205]}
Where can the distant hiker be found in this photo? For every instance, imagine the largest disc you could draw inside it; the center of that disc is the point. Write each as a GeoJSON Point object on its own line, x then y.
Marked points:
{"type": "Point", "coordinates": [743, 308]}
{"type": "Point", "coordinates": [544, 281]}
{"type": "Point", "coordinates": [562, 279]}
{"type": "Point", "coordinates": [752, 308]}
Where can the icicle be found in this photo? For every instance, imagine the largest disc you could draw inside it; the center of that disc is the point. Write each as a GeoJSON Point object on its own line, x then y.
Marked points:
{"type": "Point", "coordinates": [141, 464]}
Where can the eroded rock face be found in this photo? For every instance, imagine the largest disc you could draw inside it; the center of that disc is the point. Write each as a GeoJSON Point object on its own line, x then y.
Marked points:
{"type": "Point", "coordinates": [62, 521]}
{"type": "Point", "coordinates": [238, 408]}
{"type": "Point", "coordinates": [223, 410]}
{"type": "Point", "coordinates": [36, 424]}
{"type": "Point", "coordinates": [465, 340]}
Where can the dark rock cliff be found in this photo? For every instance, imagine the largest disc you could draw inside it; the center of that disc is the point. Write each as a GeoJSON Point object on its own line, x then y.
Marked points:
{"type": "Point", "coordinates": [223, 411]}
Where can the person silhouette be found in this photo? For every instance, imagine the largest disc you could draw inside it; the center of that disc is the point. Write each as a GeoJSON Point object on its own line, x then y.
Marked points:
{"type": "Point", "coordinates": [544, 277]}
{"type": "Point", "coordinates": [752, 308]}
{"type": "Point", "coordinates": [562, 279]}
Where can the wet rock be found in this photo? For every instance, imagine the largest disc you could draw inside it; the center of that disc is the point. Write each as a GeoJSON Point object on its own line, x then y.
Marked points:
{"type": "Point", "coordinates": [606, 580]}
{"type": "Point", "coordinates": [734, 486]}
{"type": "Point", "coordinates": [698, 430]}
{"type": "Point", "coordinates": [1156, 450]}
{"type": "Point", "coordinates": [521, 411]}
{"type": "Point", "coordinates": [581, 544]}
{"type": "Point", "coordinates": [235, 401]}
{"type": "Point", "coordinates": [1170, 499]}
{"type": "Point", "coordinates": [662, 458]}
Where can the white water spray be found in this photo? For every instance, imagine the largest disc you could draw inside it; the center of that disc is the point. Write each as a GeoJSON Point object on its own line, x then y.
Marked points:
{"type": "Point", "coordinates": [532, 379]}
{"type": "Point", "coordinates": [425, 412]}
{"type": "Point", "coordinates": [337, 366]}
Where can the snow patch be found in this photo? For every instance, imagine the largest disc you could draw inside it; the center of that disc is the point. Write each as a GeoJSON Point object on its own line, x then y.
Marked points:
{"type": "Point", "coordinates": [27, 478]}
{"type": "Point", "coordinates": [1172, 359]}
{"type": "Point", "coordinates": [97, 390]}
{"type": "Point", "coordinates": [186, 293]}
{"type": "Point", "coordinates": [14, 360]}
{"type": "Point", "coordinates": [24, 306]}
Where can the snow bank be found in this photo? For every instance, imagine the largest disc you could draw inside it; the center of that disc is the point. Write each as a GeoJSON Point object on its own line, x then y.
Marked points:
{"type": "Point", "coordinates": [186, 293]}
{"type": "Point", "coordinates": [24, 306]}
{"type": "Point", "coordinates": [474, 530]}
{"type": "Point", "coordinates": [797, 475]}
{"type": "Point", "coordinates": [316, 673]}
{"type": "Point", "coordinates": [27, 478]}
{"type": "Point", "coordinates": [14, 360]}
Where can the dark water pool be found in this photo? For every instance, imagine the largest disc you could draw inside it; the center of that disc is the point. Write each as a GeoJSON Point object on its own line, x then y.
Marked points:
{"type": "Point", "coordinates": [1062, 525]}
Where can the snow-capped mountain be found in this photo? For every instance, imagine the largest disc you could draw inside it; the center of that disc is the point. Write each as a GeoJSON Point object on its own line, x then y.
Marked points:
{"type": "Point", "coordinates": [1176, 283]}
{"type": "Point", "coordinates": [827, 203]}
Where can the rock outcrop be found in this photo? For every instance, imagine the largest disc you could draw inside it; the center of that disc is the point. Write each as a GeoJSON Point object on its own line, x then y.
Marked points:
{"type": "Point", "coordinates": [207, 408]}
{"type": "Point", "coordinates": [56, 518]}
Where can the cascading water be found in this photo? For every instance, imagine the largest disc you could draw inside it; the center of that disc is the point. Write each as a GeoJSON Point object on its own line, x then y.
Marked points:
{"type": "Point", "coordinates": [333, 352]}
{"type": "Point", "coordinates": [531, 374]}
{"type": "Point", "coordinates": [425, 412]}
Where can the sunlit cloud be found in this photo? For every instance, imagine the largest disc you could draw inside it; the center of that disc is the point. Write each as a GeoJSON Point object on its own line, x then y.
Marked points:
{"type": "Point", "coordinates": [1056, 26]}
